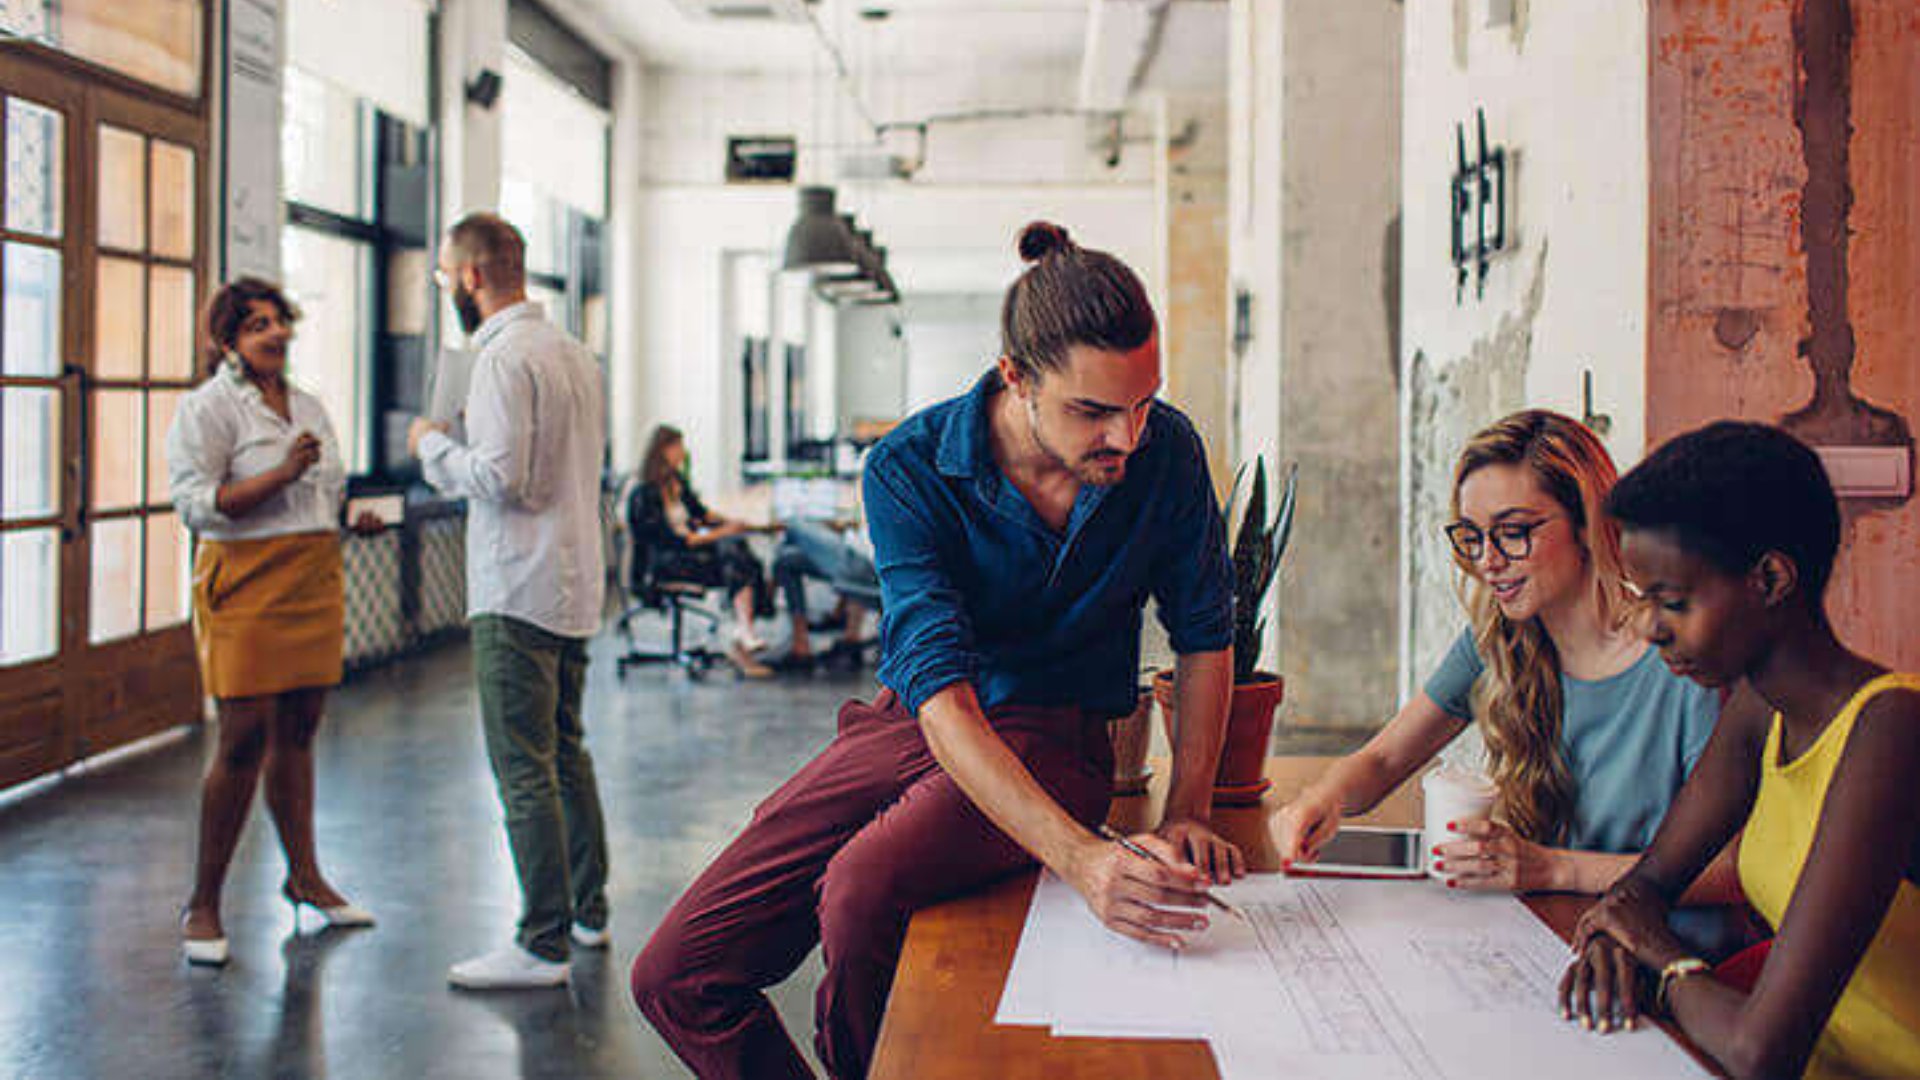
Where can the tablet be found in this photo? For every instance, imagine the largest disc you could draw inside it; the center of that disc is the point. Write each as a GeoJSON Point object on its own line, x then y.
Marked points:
{"type": "Point", "coordinates": [1360, 851]}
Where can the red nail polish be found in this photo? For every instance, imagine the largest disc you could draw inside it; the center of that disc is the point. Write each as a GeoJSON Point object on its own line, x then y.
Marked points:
{"type": "Point", "coordinates": [1453, 826]}
{"type": "Point", "coordinates": [1453, 884]}
{"type": "Point", "coordinates": [1440, 866]}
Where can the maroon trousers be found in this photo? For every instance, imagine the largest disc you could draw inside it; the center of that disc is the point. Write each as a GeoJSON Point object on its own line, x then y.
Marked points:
{"type": "Point", "coordinates": [843, 854]}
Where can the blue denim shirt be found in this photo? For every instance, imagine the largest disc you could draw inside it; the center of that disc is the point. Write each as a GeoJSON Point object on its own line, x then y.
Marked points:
{"type": "Point", "coordinates": [974, 585]}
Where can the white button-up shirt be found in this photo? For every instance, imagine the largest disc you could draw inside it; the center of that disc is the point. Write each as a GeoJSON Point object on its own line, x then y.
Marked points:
{"type": "Point", "coordinates": [536, 430]}
{"type": "Point", "coordinates": [225, 432]}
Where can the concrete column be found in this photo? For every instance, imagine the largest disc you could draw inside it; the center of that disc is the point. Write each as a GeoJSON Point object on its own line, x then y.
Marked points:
{"type": "Point", "coordinates": [1313, 208]}
{"type": "Point", "coordinates": [473, 38]}
{"type": "Point", "coordinates": [626, 292]}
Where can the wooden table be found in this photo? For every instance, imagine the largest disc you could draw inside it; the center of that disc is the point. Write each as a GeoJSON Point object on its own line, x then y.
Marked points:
{"type": "Point", "coordinates": [939, 1022]}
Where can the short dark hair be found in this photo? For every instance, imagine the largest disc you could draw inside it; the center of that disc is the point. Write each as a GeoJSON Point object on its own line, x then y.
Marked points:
{"type": "Point", "coordinates": [227, 308]}
{"type": "Point", "coordinates": [1070, 296]}
{"type": "Point", "coordinates": [493, 246]}
{"type": "Point", "coordinates": [1733, 491]}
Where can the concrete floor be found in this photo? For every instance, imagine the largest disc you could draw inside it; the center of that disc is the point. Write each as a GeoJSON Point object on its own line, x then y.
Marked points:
{"type": "Point", "coordinates": [93, 872]}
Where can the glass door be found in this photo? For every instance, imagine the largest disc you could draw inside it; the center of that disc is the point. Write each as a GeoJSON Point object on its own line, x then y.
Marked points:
{"type": "Point", "coordinates": [102, 266]}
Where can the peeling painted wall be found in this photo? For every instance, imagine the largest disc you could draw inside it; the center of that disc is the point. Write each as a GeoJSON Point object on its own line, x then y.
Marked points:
{"type": "Point", "coordinates": [1786, 255]}
{"type": "Point", "coordinates": [1564, 89]}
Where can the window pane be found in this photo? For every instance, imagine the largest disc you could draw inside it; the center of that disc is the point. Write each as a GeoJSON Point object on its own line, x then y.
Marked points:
{"type": "Point", "coordinates": [321, 146]}
{"type": "Point", "coordinates": [155, 41]}
{"type": "Point", "coordinates": [170, 323]}
{"type": "Point", "coordinates": [120, 320]}
{"type": "Point", "coordinates": [115, 579]}
{"type": "Point", "coordinates": [327, 276]}
{"type": "Point", "coordinates": [119, 449]}
{"type": "Point", "coordinates": [30, 486]}
{"type": "Point", "coordinates": [542, 224]}
{"type": "Point", "coordinates": [172, 200]}
{"type": "Point", "coordinates": [35, 136]}
{"type": "Point", "coordinates": [161, 405]}
{"type": "Point", "coordinates": [28, 18]}
{"type": "Point", "coordinates": [29, 595]}
{"type": "Point", "coordinates": [30, 343]}
{"type": "Point", "coordinates": [123, 189]}
{"type": "Point", "coordinates": [167, 572]}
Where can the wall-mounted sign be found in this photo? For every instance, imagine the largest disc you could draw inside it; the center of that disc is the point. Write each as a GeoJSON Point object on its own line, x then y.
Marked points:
{"type": "Point", "coordinates": [251, 208]}
{"type": "Point", "coordinates": [1479, 193]}
{"type": "Point", "coordinates": [760, 159]}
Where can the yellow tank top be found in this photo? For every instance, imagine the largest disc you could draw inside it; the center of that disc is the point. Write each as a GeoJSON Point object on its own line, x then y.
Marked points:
{"type": "Point", "coordinates": [1875, 1027]}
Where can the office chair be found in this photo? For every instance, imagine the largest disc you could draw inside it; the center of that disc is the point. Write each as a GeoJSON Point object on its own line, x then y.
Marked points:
{"type": "Point", "coordinates": [648, 589]}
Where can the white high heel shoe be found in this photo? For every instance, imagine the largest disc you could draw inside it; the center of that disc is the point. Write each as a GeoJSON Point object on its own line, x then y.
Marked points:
{"type": "Point", "coordinates": [343, 916]}
{"type": "Point", "coordinates": [205, 952]}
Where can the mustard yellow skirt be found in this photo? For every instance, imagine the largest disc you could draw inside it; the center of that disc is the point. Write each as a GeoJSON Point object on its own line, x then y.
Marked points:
{"type": "Point", "coordinates": [269, 615]}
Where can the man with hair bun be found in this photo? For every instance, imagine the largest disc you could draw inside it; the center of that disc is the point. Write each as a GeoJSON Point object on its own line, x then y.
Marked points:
{"type": "Point", "coordinates": [1018, 531]}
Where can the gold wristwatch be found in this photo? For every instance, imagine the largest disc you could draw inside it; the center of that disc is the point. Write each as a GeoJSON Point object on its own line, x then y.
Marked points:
{"type": "Point", "coordinates": [1672, 973]}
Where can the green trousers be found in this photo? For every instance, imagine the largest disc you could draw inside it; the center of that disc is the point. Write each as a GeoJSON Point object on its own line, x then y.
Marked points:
{"type": "Point", "coordinates": [531, 683]}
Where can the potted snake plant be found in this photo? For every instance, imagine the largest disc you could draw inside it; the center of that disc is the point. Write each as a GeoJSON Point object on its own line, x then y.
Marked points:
{"type": "Point", "coordinates": [1258, 547]}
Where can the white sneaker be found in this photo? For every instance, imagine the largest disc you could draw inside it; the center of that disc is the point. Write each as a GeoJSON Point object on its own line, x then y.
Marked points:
{"type": "Point", "coordinates": [588, 938]}
{"type": "Point", "coordinates": [744, 637]}
{"type": "Point", "coordinates": [511, 968]}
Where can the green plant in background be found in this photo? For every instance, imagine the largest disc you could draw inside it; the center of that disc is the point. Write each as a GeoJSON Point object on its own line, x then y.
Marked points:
{"type": "Point", "coordinates": [1257, 549]}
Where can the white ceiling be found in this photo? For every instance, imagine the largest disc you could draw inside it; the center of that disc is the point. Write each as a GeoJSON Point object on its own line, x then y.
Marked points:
{"type": "Point", "coordinates": [918, 35]}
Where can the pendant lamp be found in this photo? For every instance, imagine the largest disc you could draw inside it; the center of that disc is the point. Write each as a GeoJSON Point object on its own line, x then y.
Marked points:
{"type": "Point", "coordinates": [819, 241]}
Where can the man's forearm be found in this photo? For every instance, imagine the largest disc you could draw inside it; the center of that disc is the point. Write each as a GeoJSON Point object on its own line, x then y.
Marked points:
{"type": "Point", "coordinates": [997, 781]}
{"type": "Point", "coordinates": [1202, 692]}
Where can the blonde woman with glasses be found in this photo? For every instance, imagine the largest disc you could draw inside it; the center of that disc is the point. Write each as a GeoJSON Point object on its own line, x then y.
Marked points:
{"type": "Point", "coordinates": [1587, 734]}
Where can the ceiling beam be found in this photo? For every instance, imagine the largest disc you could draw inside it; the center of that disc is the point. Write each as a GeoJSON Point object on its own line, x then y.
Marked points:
{"type": "Point", "coordinates": [1122, 38]}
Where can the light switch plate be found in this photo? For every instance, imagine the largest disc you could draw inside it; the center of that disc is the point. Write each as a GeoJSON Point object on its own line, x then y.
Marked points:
{"type": "Point", "coordinates": [1869, 472]}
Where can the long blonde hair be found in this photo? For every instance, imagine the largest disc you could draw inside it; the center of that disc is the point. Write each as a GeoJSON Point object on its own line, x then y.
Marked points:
{"type": "Point", "coordinates": [1518, 697]}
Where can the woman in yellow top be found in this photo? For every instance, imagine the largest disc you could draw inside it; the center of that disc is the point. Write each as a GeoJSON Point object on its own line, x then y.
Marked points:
{"type": "Point", "coordinates": [1730, 534]}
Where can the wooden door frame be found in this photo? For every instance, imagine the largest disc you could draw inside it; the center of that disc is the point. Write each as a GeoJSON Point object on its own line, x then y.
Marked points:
{"type": "Point", "coordinates": [37, 730]}
{"type": "Point", "coordinates": [120, 691]}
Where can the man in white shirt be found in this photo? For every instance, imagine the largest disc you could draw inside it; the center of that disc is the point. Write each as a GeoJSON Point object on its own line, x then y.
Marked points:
{"type": "Point", "coordinates": [530, 472]}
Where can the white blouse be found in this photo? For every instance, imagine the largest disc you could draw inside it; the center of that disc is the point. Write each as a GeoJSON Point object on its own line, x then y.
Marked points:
{"type": "Point", "coordinates": [223, 432]}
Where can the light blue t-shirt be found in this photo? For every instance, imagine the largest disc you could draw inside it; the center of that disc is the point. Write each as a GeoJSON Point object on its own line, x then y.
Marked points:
{"type": "Point", "coordinates": [1629, 740]}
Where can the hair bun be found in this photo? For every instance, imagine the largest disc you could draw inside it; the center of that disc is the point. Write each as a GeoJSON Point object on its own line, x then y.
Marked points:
{"type": "Point", "coordinates": [1041, 239]}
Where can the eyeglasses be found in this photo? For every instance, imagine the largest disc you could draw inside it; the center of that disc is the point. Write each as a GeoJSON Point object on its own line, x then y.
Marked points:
{"type": "Point", "coordinates": [1512, 539]}
{"type": "Point", "coordinates": [443, 279]}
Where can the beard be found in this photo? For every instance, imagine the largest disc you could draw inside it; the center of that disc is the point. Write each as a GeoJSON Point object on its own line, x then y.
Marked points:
{"type": "Point", "coordinates": [467, 308]}
{"type": "Point", "coordinates": [1102, 468]}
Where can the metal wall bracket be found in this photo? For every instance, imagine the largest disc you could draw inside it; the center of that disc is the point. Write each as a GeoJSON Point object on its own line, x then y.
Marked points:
{"type": "Point", "coordinates": [1479, 186]}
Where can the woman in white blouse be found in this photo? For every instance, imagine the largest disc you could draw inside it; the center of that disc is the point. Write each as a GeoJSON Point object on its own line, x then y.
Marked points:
{"type": "Point", "coordinates": [257, 476]}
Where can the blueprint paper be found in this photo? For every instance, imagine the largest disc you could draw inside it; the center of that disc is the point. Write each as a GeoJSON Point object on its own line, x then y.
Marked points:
{"type": "Point", "coordinates": [1329, 979]}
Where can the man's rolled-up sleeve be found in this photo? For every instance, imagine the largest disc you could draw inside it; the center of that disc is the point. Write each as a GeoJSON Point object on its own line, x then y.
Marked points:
{"type": "Point", "coordinates": [1193, 588]}
{"type": "Point", "coordinates": [926, 638]}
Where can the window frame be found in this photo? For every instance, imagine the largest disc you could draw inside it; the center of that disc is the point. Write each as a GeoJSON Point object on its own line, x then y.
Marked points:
{"type": "Point", "coordinates": [378, 383]}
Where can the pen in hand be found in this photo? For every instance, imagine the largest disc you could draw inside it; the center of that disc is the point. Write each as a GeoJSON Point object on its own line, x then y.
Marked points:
{"type": "Point", "coordinates": [1158, 861]}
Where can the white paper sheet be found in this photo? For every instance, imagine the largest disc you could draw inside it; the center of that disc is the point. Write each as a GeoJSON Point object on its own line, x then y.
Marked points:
{"type": "Point", "coordinates": [447, 389]}
{"type": "Point", "coordinates": [1329, 980]}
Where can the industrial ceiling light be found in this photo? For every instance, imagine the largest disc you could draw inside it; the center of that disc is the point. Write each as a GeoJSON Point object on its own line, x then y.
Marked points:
{"type": "Point", "coordinates": [881, 290]}
{"type": "Point", "coordinates": [833, 286]}
{"type": "Point", "coordinates": [819, 241]}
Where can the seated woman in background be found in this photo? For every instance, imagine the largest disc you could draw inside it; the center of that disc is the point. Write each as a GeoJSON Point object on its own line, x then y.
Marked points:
{"type": "Point", "coordinates": [687, 542]}
{"type": "Point", "coordinates": [1730, 534]}
{"type": "Point", "coordinates": [1587, 735]}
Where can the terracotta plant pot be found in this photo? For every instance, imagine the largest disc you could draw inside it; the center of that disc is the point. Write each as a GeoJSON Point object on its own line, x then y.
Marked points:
{"type": "Point", "coordinates": [1241, 778]}
{"type": "Point", "coordinates": [1130, 735]}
